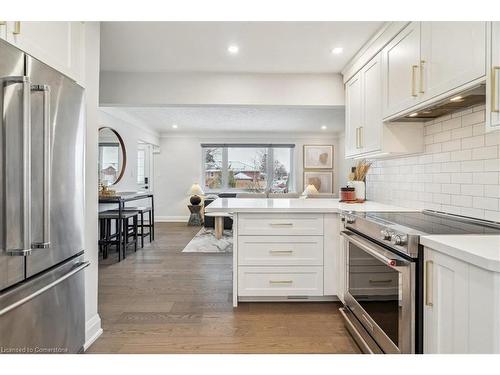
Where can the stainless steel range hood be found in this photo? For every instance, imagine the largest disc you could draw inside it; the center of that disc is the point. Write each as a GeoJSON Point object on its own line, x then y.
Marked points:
{"type": "Point", "coordinates": [474, 96]}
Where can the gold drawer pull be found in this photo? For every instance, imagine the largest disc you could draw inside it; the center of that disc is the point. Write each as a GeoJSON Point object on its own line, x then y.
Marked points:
{"type": "Point", "coordinates": [380, 281]}
{"type": "Point", "coordinates": [428, 282]}
{"type": "Point", "coordinates": [17, 28]}
{"type": "Point", "coordinates": [280, 281]}
{"type": "Point", "coordinates": [414, 80]}
{"type": "Point", "coordinates": [422, 62]}
{"type": "Point", "coordinates": [494, 89]}
{"type": "Point", "coordinates": [281, 251]}
{"type": "Point", "coordinates": [281, 224]}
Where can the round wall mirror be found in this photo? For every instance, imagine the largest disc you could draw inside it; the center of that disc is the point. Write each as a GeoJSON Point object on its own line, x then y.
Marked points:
{"type": "Point", "coordinates": [112, 156]}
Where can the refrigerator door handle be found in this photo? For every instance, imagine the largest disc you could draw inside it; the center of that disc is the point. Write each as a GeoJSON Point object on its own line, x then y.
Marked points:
{"type": "Point", "coordinates": [25, 248]}
{"type": "Point", "coordinates": [75, 269]}
{"type": "Point", "coordinates": [47, 165]}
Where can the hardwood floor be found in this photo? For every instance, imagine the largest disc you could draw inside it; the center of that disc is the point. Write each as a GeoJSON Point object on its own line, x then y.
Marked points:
{"type": "Point", "coordinates": [160, 300]}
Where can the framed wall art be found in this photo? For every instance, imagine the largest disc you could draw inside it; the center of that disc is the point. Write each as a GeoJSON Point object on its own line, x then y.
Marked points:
{"type": "Point", "coordinates": [318, 156]}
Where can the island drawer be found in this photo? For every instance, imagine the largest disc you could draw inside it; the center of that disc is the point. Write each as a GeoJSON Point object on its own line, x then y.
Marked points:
{"type": "Point", "coordinates": [280, 281]}
{"type": "Point", "coordinates": [280, 224]}
{"type": "Point", "coordinates": [280, 250]}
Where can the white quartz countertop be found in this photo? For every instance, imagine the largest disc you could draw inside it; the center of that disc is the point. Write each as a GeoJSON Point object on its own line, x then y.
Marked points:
{"type": "Point", "coordinates": [283, 205]}
{"type": "Point", "coordinates": [480, 250]}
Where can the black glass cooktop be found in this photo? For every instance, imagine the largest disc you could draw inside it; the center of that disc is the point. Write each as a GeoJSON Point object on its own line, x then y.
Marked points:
{"type": "Point", "coordinates": [430, 222]}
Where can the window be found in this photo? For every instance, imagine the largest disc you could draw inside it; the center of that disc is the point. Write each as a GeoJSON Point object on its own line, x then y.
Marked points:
{"type": "Point", "coordinates": [248, 167]}
{"type": "Point", "coordinates": [212, 166]}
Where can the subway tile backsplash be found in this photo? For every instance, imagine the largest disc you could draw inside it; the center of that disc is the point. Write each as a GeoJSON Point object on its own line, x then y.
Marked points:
{"type": "Point", "coordinates": [459, 172]}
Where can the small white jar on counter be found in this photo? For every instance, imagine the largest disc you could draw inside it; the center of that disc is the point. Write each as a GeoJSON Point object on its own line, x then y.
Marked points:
{"type": "Point", "coordinates": [359, 189]}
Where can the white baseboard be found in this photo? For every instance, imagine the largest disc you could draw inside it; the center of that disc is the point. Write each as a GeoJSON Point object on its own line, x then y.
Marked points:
{"type": "Point", "coordinates": [171, 219]}
{"type": "Point", "coordinates": [92, 331]}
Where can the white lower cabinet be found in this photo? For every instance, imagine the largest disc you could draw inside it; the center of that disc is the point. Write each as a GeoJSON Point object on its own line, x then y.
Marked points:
{"type": "Point", "coordinates": [461, 306]}
{"type": "Point", "coordinates": [280, 281]}
{"type": "Point", "coordinates": [280, 224]}
{"type": "Point", "coordinates": [341, 270]}
{"type": "Point", "coordinates": [280, 250]}
{"type": "Point", "coordinates": [287, 256]}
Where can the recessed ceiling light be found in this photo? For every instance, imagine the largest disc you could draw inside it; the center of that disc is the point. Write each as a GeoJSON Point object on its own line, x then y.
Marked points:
{"type": "Point", "coordinates": [233, 49]}
{"type": "Point", "coordinates": [413, 114]}
{"type": "Point", "coordinates": [324, 127]}
{"type": "Point", "coordinates": [337, 50]}
{"type": "Point", "coordinates": [456, 99]}
{"type": "Point", "coordinates": [175, 126]}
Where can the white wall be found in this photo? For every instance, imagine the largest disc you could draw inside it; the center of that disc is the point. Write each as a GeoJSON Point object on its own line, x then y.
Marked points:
{"type": "Point", "coordinates": [131, 135]}
{"type": "Point", "coordinates": [93, 321]}
{"type": "Point", "coordinates": [459, 172]}
{"type": "Point", "coordinates": [179, 164]}
{"type": "Point", "coordinates": [159, 89]}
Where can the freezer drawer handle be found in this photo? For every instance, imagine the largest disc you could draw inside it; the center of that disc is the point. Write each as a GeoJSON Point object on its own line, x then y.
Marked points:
{"type": "Point", "coordinates": [47, 164]}
{"type": "Point", "coordinates": [26, 164]}
{"type": "Point", "coordinates": [77, 268]}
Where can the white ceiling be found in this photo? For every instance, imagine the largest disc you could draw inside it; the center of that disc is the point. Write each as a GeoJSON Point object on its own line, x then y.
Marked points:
{"type": "Point", "coordinates": [264, 47]}
{"type": "Point", "coordinates": [197, 119]}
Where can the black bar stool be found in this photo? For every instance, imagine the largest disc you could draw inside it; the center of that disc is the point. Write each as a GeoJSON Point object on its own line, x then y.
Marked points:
{"type": "Point", "coordinates": [129, 231]}
{"type": "Point", "coordinates": [150, 225]}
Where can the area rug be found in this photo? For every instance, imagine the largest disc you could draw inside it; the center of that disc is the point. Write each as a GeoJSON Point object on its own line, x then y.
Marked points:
{"type": "Point", "coordinates": [205, 242]}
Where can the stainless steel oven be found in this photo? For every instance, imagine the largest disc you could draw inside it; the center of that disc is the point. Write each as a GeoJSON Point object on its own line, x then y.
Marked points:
{"type": "Point", "coordinates": [380, 297]}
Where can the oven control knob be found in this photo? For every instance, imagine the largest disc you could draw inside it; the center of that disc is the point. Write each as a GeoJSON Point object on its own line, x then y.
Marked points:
{"type": "Point", "coordinates": [398, 239]}
{"type": "Point", "coordinates": [350, 219]}
{"type": "Point", "coordinates": [386, 235]}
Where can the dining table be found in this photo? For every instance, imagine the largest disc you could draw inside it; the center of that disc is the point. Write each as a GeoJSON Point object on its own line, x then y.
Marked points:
{"type": "Point", "coordinates": [120, 199]}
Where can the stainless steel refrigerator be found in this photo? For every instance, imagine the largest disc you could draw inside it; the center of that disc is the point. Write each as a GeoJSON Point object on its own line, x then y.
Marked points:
{"type": "Point", "coordinates": [42, 306]}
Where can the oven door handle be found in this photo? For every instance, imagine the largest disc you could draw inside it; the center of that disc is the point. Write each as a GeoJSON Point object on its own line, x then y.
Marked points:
{"type": "Point", "coordinates": [375, 250]}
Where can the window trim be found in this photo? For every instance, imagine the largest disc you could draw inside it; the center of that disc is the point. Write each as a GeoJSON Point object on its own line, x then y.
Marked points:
{"type": "Point", "coordinates": [269, 167]}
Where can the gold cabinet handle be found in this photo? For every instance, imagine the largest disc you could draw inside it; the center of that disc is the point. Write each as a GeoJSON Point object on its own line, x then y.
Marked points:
{"type": "Point", "coordinates": [280, 281]}
{"type": "Point", "coordinates": [281, 251]}
{"type": "Point", "coordinates": [17, 28]}
{"type": "Point", "coordinates": [360, 137]}
{"type": "Point", "coordinates": [414, 80]}
{"type": "Point", "coordinates": [429, 265]}
{"type": "Point", "coordinates": [494, 89]}
{"type": "Point", "coordinates": [357, 138]}
{"type": "Point", "coordinates": [422, 62]}
{"type": "Point", "coordinates": [281, 224]}
{"type": "Point", "coordinates": [380, 281]}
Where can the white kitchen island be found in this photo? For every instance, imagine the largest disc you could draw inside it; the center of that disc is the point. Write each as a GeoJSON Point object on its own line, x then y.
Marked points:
{"type": "Point", "coordinates": [288, 249]}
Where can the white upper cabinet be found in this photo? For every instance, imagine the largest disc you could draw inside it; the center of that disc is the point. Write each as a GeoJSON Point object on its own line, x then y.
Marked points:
{"type": "Point", "coordinates": [354, 114]}
{"type": "Point", "coordinates": [371, 131]}
{"type": "Point", "coordinates": [366, 133]}
{"type": "Point", "coordinates": [3, 29]}
{"type": "Point", "coordinates": [452, 54]}
{"type": "Point", "coordinates": [493, 81]}
{"type": "Point", "coordinates": [401, 58]}
{"type": "Point", "coordinates": [58, 44]}
{"type": "Point", "coordinates": [364, 110]}
{"type": "Point", "coordinates": [427, 61]}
